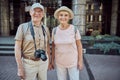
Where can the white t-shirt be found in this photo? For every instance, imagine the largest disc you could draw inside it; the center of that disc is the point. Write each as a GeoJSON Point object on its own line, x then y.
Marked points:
{"type": "Point", "coordinates": [66, 53]}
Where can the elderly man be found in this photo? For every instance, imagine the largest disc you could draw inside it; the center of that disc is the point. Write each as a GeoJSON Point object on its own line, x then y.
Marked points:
{"type": "Point", "coordinates": [32, 49]}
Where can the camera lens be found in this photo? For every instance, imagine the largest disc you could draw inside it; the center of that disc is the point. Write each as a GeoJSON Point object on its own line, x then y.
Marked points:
{"type": "Point", "coordinates": [43, 57]}
{"type": "Point", "coordinates": [37, 54]}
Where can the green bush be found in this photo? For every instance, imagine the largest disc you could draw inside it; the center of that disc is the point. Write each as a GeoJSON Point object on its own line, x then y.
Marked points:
{"type": "Point", "coordinates": [101, 37]}
{"type": "Point", "coordinates": [110, 38]}
{"type": "Point", "coordinates": [87, 38]}
{"type": "Point", "coordinates": [105, 47]}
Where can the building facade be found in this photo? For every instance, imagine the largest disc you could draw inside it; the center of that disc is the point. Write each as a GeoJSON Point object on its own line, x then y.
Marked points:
{"type": "Point", "coordinates": [101, 15]}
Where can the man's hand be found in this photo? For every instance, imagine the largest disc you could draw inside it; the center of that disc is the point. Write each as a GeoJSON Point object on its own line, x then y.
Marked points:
{"type": "Point", "coordinates": [21, 73]}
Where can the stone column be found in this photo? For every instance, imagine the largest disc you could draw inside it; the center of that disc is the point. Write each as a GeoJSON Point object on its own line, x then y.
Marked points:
{"type": "Point", "coordinates": [11, 17]}
{"type": "Point", "coordinates": [4, 18]}
{"type": "Point", "coordinates": [78, 7]}
{"type": "Point", "coordinates": [22, 12]}
{"type": "Point", "coordinates": [114, 17]}
{"type": "Point", "coordinates": [0, 17]}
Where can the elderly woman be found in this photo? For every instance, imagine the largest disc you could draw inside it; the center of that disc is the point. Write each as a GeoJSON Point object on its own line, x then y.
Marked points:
{"type": "Point", "coordinates": [66, 46]}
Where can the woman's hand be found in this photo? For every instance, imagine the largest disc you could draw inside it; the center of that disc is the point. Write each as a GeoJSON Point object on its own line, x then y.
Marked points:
{"type": "Point", "coordinates": [51, 66]}
{"type": "Point", "coordinates": [80, 65]}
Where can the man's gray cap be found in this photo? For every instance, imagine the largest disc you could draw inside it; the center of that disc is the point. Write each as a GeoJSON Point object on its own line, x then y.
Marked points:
{"type": "Point", "coordinates": [37, 5]}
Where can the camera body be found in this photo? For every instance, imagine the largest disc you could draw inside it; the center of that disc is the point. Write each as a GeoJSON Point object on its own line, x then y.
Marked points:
{"type": "Point", "coordinates": [40, 54]}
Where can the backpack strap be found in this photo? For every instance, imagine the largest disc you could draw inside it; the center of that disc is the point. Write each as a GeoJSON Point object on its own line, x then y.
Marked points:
{"type": "Point", "coordinates": [54, 32]}
{"type": "Point", "coordinates": [55, 29]}
{"type": "Point", "coordinates": [46, 31]}
{"type": "Point", "coordinates": [25, 28]}
{"type": "Point", "coordinates": [75, 29]}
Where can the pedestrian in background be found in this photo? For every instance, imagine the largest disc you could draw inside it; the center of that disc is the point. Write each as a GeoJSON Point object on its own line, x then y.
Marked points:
{"type": "Point", "coordinates": [66, 46]}
{"type": "Point", "coordinates": [32, 53]}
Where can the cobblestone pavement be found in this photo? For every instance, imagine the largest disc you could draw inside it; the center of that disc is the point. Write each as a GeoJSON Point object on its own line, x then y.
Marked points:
{"type": "Point", "coordinates": [8, 68]}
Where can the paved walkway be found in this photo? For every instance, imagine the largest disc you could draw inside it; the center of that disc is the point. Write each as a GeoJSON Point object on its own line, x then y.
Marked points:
{"type": "Point", "coordinates": [104, 67]}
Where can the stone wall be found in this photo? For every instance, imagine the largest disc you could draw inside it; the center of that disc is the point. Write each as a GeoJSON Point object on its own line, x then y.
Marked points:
{"type": "Point", "coordinates": [79, 12]}
{"type": "Point", "coordinates": [4, 17]}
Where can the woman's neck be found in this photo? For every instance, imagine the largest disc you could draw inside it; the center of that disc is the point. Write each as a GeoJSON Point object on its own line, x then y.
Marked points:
{"type": "Point", "coordinates": [64, 26]}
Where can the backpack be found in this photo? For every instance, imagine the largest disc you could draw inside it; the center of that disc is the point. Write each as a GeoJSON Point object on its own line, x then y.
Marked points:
{"type": "Point", "coordinates": [25, 27]}
{"type": "Point", "coordinates": [55, 29]}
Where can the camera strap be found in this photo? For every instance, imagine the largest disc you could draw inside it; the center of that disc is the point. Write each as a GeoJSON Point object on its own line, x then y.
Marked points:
{"type": "Point", "coordinates": [33, 34]}
{"type": "Point", "coordinates": [43, 29]}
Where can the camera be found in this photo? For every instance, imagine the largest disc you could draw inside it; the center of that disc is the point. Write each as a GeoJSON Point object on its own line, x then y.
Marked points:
{"type": "Point", "coordinates": [40, 54]}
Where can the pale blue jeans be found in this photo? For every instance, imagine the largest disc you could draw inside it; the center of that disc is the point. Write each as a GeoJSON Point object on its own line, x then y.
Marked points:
{"type": "Point", "coordinates": [73, 73]}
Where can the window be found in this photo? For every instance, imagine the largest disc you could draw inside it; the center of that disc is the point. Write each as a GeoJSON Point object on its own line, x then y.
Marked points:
{"type": "Point", "coordinates": [93, 16]}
